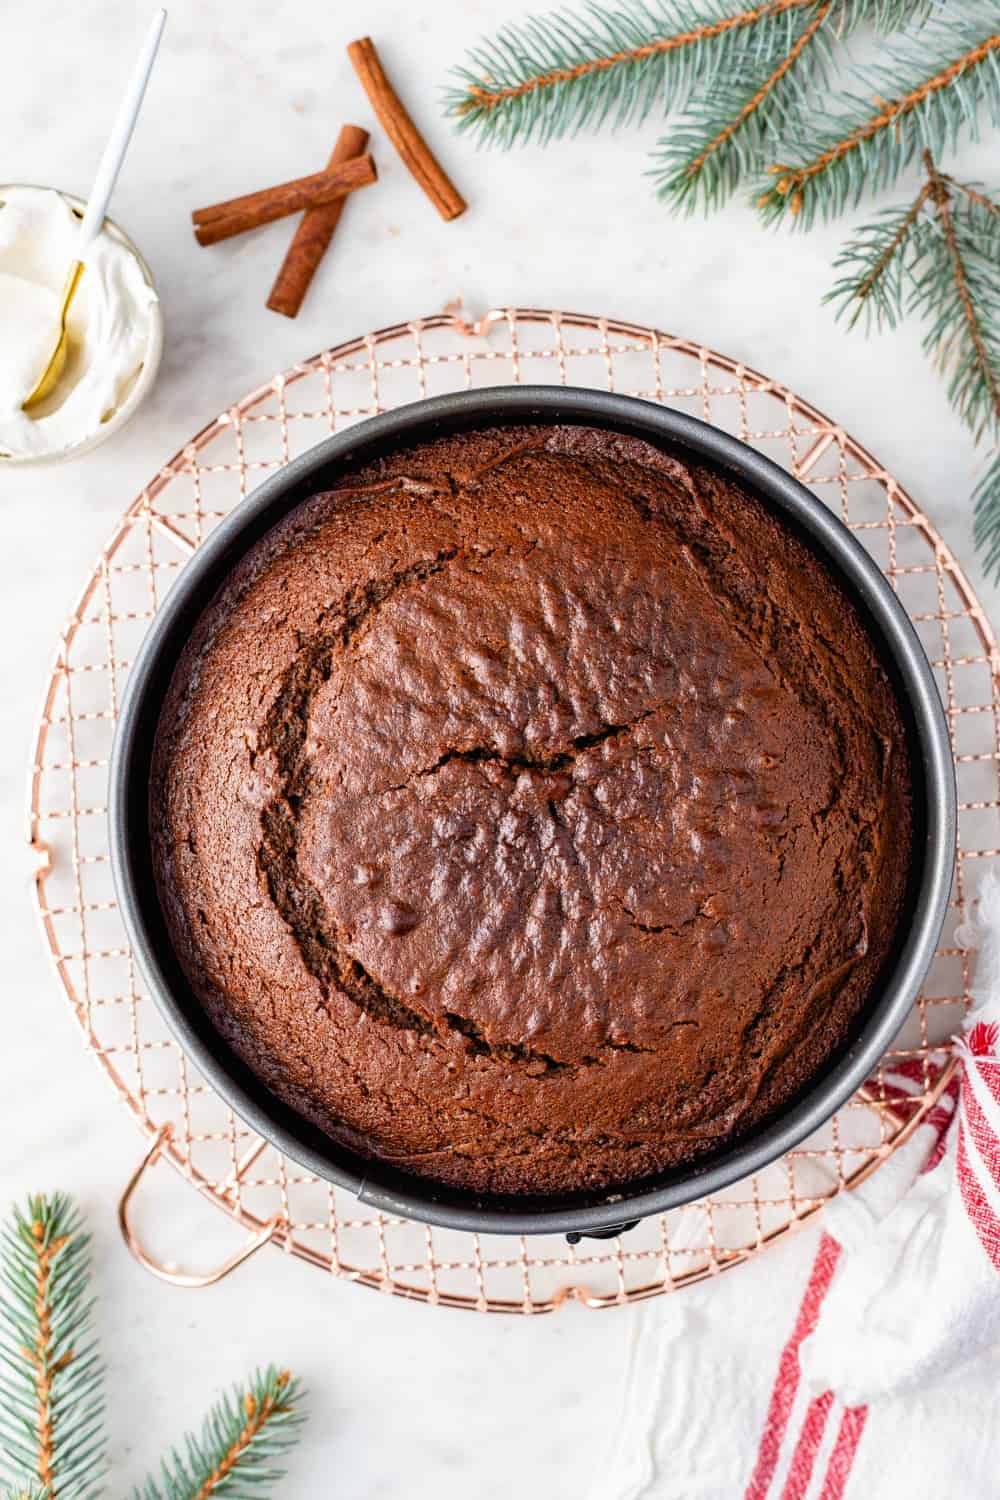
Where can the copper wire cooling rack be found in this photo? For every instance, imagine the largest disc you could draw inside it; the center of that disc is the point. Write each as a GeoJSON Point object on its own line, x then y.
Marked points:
{"type": "Point", "coordinates": [182, 1119]}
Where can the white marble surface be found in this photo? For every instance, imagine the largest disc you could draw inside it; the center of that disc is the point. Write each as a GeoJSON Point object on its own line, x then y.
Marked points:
{"type": "Point", "coordinates": [405, 1401]}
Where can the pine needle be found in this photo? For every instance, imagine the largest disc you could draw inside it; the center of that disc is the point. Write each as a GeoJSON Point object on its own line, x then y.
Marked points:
{"type": "Point", "coordinates": [52, 1444]}
{"type": "Point", "coordinates": [51, 1397]}
{"type": "Point", "coordinates": [939, 259]}
{"type": "Point", "coordinates": [877, 264]}
{"type": "Point", "coordinates": [554, 74]}
{"type": "Point", "coordinates": [908, 105]}
{"type": "Point", "coordinates": [957, 288]}
{"type": "Point", "coordinates": [551, 75]}
{"type": "Point", "coordinates": [723, 134]}
{"type": "Point", "coordinates": [237, 1451]}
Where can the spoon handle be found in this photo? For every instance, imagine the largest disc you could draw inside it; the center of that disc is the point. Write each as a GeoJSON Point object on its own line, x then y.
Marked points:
{"type": "Point", "coordinates": [114, 151]}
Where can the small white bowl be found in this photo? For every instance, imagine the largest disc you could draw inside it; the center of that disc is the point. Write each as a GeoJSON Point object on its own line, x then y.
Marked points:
{"type": "Point", "coordinates": [143, 383]}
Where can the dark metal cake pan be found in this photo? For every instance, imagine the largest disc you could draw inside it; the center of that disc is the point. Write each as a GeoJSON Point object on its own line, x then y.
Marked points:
{"type": "Point", "coordinates": [386, 1187]}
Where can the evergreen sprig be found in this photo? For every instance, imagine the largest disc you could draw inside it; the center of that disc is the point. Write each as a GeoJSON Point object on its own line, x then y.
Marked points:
{"type": "Point", "coordinates": [52, 1442]}
{"type": "Point", "coordinates": [955, 288]}
{"type": "Point", "coordinates": [877, 264]}
{"type": "Point", "coordinates": [939, 259]}
{"type": "Point", "coordinates": [907, 106]}
{"type": "Point", "coordinates": [722, 136]}
{"type": "Point", "coordinates": [51, 1397]}
{"type": "Point", "coordinates": [554, 74]}
{"type": "Point", "coordinates": [237, 1451]}
{"type": "Point", "coordinates": [741, 78]}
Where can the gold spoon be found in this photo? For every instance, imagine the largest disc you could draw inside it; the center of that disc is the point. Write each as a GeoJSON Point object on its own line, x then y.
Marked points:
{"type": "Point", "coordinates": [97, 204]}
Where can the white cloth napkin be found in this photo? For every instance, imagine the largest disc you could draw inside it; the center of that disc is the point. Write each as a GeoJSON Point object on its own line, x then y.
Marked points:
{"type": "Point", "coordinates": [859, 1360]}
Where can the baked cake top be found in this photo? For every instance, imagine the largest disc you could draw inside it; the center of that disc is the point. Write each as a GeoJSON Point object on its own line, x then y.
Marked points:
{"type": "Point", "coordinates": [532, 810]}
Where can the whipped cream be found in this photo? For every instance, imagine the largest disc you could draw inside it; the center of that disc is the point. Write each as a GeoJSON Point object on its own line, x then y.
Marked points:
{"type": "Point", "coordinates": [110, 324]}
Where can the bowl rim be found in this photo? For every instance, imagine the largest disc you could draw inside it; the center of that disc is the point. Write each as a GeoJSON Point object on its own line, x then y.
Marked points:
{"type": "Point", "coordinates": [151, 360]}
{"type": "Point", "coordinates": [372, 1182]}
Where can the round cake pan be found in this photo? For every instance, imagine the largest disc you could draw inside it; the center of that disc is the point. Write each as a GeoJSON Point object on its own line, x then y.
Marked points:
{"type": "Point", "coordinates": [376, 1183]}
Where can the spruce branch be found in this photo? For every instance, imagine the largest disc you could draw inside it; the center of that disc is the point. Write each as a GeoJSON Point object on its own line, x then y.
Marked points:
{"type": "Point", "coordinates": [876, 263]}
{"type": "Point", "coordinates": [553, 74]}
{"type": "Point", "coordinates": [861, 148]}
{"type": "Point", "coordinates": [959, 290]}
{"type": "Point", "coordinates": [52, 1444]}
{"type": "Point", "coordinates": [51, 1397]}
{"type": "Point", "coordinates": [939, 259]}
{"type": "Point", "coordinates": [244, 1435]}
{"type": "Point", "coordinates": [723, 135]}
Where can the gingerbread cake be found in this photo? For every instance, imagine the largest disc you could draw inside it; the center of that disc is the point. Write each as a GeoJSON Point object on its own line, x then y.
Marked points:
{"type": "Point", "coordinates": [531, 811]}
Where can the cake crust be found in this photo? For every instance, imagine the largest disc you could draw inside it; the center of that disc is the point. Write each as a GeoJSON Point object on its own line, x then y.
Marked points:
{"type": "Point", "coordinates": [531, 811]}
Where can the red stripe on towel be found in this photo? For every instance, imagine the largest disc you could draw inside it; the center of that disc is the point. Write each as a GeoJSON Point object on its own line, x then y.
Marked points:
{"type": "Point", "coordinates": [983, 1041]}
{"type": "Point", "coordinates": [984, 1038]}
{"type": "Point", "coordinates": [916, 1069]}
{"type": "Point", "coordinates": [842, 1454]}
{"type": "Point", "coordinates": [786, 1381]}
{"type": "Point", "coordinates": [898, 1099]}
{"type": "Point", "coordinates": [989, 1071]}
{"type": "Point", "coordinates": [984, 1220]}
{"type": "Point", "coordinates": [800, 1471]}
{"type": "Point", "coordinates": [982, 1133]}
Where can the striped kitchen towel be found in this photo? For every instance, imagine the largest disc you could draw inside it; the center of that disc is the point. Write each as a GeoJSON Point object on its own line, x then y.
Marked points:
{"type": "Point", "coordinates": [857, 1360]}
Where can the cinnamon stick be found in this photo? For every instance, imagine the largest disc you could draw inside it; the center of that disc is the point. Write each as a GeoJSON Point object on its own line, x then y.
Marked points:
{"type": "Point", "coordinates": [414, 151]}
{"type": "Point", "coordinates": [314, 233]}
{"type": "Point", "coordinates": [236, 215]}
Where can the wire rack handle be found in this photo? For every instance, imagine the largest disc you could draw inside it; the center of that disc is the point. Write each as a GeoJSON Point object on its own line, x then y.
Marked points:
{"type": "Point", "coordinates": [165, 1270]}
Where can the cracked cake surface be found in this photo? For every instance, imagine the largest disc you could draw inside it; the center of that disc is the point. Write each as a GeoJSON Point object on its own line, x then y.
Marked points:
{"type": "Point", "coordinates": [531, 810]}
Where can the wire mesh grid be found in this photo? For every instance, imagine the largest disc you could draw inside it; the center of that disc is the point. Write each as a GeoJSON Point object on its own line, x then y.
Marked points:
{"type": "Point", "coordinates": [183, 1119]}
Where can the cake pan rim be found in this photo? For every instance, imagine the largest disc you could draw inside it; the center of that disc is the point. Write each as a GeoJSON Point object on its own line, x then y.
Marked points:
{"type": "Point", "coordinates": [373, 1182]}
